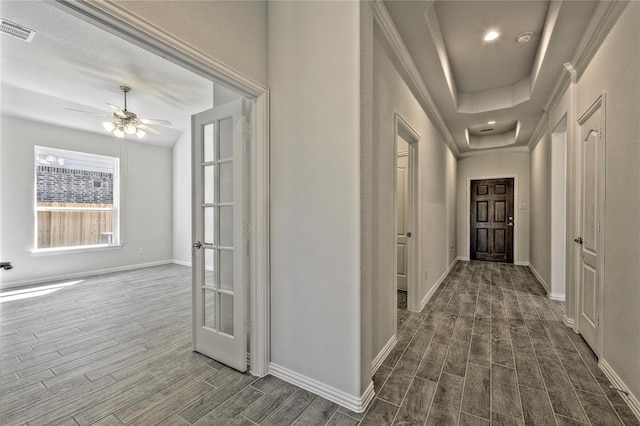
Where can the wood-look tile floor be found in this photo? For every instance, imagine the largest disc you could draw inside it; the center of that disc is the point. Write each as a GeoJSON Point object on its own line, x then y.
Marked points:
{"type": "Point", "coordinates": [116, 349]}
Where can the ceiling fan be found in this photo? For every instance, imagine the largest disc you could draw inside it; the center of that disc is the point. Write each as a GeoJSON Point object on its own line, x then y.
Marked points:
{"type": "Point", "coordinates": [123, 121]}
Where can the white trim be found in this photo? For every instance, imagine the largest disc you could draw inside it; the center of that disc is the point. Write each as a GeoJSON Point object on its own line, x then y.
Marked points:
{"type": "Point", "coordinates": [117, 20]}
{"type": "Point", "coordinates": [403, 129]}
{"type": "Point", "coordinates": [514, 149]}
{"type": "Point", "coordinates": [391, 34]}
{"type": "Point", "coordinates": [631, 400]}
{"type": "Point", "coordinates": [569, 322]}
{"type": "Point", "coordinates": [353, 403]}
{"type": "Point", "coordinates": [556, 296]}
{"type": "Point", "coordinates": [463, 258]}
{"type": "Point", "coordinates": [73, 275]}
{"type": "Point", "coordinates": [379, 359]}
{"type": "Point", "coordinates": [75, 249]}
{"type": "Point", "coordinates": [522, 263]}
{"type": "Point", "coordinates": [516, 214]}
{"type": "Point", "coordinates": [539, 277]}
{"type": "Point", "coordinates": [433, 289]}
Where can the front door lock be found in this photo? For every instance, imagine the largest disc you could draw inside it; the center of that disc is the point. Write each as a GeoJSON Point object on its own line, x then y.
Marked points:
{"type": "Point", "coordinates": [578, 240]}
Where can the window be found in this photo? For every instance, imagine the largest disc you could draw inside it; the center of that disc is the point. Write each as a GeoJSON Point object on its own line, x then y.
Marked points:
{"type": "Point", "coordinates": [76, 199]}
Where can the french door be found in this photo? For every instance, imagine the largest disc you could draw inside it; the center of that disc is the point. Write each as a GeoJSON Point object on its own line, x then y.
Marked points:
{"type": "Point", "coordinates": [220, 234]}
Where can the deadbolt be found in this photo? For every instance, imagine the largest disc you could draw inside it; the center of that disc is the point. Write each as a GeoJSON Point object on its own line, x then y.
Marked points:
{"type": "Point", "coordinates": [578, 240]}
{"type": "Point", "coordinates": [408, 234]}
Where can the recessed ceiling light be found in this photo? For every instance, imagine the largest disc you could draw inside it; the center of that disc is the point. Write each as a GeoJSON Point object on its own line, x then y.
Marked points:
{"type": "Point", "coordinates": [491, 35]}
{"type": "Point", "coordinates": [491, 122]}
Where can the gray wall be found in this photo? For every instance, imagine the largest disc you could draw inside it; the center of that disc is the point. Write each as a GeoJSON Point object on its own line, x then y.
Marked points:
{"type": "Point", "coordinates": [495, 164]}
{"type": "Point", "coordinates": [614, 70]}
{"type": "Point", "coordinates": [435, 195]}
{"type": "Point", "coordinates": [146, 201]}
{"type": "Point", "coordinates": [232, 32]}
{"type": "Point", "coordinates": [540, 243]}
{"type": "Point", "coordinates": [314, 78]}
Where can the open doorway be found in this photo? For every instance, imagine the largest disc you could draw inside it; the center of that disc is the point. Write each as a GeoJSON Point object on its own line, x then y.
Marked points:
{"type": "Point", "coordinates": [405, 219]}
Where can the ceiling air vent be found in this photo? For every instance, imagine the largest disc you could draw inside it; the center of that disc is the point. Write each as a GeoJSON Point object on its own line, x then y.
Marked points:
{"type": "Point", "coordinates": [486, 130]}
{"type": "Point", "coordinates": [17, 31]}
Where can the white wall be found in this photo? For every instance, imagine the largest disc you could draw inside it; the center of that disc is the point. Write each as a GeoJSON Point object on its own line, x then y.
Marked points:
{"type": "Point", "coordinates": [232, 32]}
{"type": "Point", "coordinates": [559, 236]}
{"type": "Point", "coordinates": [614, 70]}
{"type": "Point", "coordinates": [540, 243]}
{"type": "Point", "coordinates": [489, 165]}
{"type": "Point", "coordinates": [315, 191]}
{"type": "Point", "coordinates": [146, 201]}
{"type": "Point", "coordinates": [435, 195]}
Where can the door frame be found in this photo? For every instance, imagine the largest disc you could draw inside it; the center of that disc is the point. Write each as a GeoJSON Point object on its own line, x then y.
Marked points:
{"type": "Point", "coordinates": [403, 129]}
{"type": "Point", "coordinates": [116, 20]}
{"type": "Point", "coordinates": [600, 102]}
{"type": "Point", "coordinates": [516, 215]}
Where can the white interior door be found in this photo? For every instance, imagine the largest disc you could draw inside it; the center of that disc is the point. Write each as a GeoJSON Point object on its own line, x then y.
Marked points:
{"type": "Point", "coordinates": [402, 194]}
{"type": "Point", "coordinates": [590, 275]}
{"type": "Point", "coordinates": [220, 235]}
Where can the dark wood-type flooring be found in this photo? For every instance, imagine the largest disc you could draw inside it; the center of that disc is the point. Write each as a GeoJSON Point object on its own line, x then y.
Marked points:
{"type": "Point", "coordinates": [116, 349]}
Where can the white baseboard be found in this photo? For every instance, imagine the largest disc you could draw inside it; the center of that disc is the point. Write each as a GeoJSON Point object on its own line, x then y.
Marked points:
{"type": "Point", "coordinates": [74, 275]}
{"type": "Point", "coordinates": [569, 322]}
{"type": "Point", "coordinates": [181, 262]}
{"type": "Point", "coordinates": [631, 400]}
{"type": "Point", "coordinates": [377, 361]}
{"type": "Point", "coordinates": [353, 403]}
{"type": "Point", "coordinates": [539, 277]}
{"type": "Point", "coordinates": [430, 293]}
{"type": "Point", "coordinates": [462, 258]}
{"type": "Point", "coordinates": [556, 296]}
{"type": "Point", "coordinates": [521, 263]}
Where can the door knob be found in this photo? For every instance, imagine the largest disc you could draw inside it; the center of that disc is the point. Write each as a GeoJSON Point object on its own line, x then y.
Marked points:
{"type": "Point", "coordinates": [6, 265]}
{"type": "Point", "coordinates": [197, 245]}
{"type": "Point", "coordinates": [510, 224]}
{"type": "Point", "coordinates": [408, 234]}
{"type": "Point", "coordinates": [578, 240]}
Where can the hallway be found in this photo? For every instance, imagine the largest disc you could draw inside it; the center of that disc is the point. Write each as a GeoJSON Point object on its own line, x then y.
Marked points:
{"type": "Point", "coordinates": [490, 346]}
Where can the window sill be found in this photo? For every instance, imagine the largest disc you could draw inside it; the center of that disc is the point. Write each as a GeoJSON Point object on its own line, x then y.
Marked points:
{"type": "Point", "coordinates": [77, 249]}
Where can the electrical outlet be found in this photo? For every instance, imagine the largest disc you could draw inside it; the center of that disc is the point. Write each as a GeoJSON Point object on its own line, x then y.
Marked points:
{"type": "Point", "coordinates": [141, 250]}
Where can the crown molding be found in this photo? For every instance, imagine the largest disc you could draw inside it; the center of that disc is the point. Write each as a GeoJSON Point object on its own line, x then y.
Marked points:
{"type": "Point", "coordinates": [504, 150]}
{"type": "Point", "coordinates": [603, 18]}
{"type": "Point", "coordinates": [391, 34]}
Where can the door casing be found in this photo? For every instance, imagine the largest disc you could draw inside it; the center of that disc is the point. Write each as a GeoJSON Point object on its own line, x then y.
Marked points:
{"type": "Point", "coordinates": [403, 129]}
{"type": "Point", "coordinates": [115, 20]}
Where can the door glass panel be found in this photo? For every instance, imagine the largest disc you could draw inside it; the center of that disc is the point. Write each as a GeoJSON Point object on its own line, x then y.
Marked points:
{"type": "Point", "coordinates": [226, 182]}
{"type": "Point", "coordinates": [226, 138]}
{"type": "Point", "coordinates": [209, 186]}
{"type": "Point", "coordinates": [209, 147]}
{"type": "Point", "coordinates": [226, 314]}
{"type": "Point", "coordinates": [226, 226]}
{"type": "Point", "coordinates": [209, 297]}
{"type": "Point", "coordinates": [209, 225]}
{"type": "Point", "coordinates": [209, 267]}
{"type": "Point", "coordinates": [226, 269]}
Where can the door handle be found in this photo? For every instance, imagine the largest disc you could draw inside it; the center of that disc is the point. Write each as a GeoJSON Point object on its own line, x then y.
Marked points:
{"type": "Point", "coordinates": [578, 240]}
{"type": "Point", "coordinates": [197, 245]}
{"type": "Point", "coordinates": [510, 224]}
{"type": "Point", "coordinates": [6, 265]}
{"type": "Point", "coordinates": [408, 234]}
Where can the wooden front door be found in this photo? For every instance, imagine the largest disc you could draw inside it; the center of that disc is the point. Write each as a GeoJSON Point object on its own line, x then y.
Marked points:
{"type": "Point", "coordinates": [492, 220]}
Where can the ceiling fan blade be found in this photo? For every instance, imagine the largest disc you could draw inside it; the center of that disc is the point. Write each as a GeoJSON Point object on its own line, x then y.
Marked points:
{"type": "Point", "coordinates": [155, 121]}
{"type": "Point", "coordinates": [148, 129]}
{"type": "Point", "coordinates": [89, 112]}
{"type": "Point", "coordinates": [117, 111]}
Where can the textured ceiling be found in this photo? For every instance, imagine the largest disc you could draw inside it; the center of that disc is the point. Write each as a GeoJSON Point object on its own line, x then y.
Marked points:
{"type": "Point", "coordinates": [73, 64]}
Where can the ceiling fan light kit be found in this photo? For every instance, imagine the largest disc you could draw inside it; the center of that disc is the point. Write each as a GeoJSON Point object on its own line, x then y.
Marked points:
{"type": "Point", "coordinates": [123, 122]}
